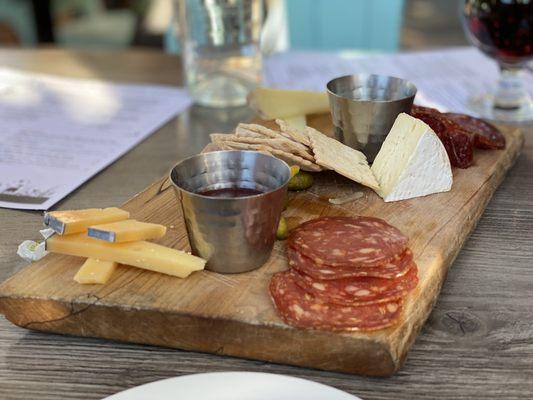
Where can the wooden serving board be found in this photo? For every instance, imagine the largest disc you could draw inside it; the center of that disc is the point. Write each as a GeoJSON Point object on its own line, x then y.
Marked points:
{"type": "Point", "coordinates": [233, 314]}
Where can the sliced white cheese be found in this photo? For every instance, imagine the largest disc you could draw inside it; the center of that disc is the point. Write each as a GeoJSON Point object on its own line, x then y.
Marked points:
{"type": "Point", "coordinates": [297, 121]}
{"type": "Point", "coordinates": [278, 103]}
{"type": "Point", "coordinates": [412, 162]}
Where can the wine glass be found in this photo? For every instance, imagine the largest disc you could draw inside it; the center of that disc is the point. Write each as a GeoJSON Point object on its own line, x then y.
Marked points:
{"type": "Point", "coordinates": [503, 30]}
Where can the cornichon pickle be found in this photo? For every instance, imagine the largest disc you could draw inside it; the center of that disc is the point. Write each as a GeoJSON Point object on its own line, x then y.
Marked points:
{"type": "Point", "coordinates": [282, 233]}
{"type": "Point", "coordinates": [302, 180]}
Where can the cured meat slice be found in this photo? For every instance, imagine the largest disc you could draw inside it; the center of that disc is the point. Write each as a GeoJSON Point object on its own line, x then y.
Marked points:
{"type": "Point", "coordinates": [421, 109]}
{"type": "Point", "coordinates": [486, 136]}
{"type": "Point", "coordinates": [359, 291]}
{"type": "Point", "coordinates": [459, 143]}
{"type": "Point", "coordinates": [395, 268]}
{"type": "Point", "coordinates": [303, 310]}
{"type": "Point", "coordinates": [348, 241]}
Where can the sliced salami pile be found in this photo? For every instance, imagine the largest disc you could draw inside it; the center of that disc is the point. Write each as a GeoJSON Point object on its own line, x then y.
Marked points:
{"type": "Point", "coordinates": [460, 133]}
{"type": "Point", "coordinates": [346, 273]}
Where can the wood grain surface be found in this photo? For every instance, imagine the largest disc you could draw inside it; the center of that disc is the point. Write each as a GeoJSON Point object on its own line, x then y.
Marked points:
{"type": "Point", "coordinates": [476, 344]}
{"type": "Point", "coordinates": [233, 314]}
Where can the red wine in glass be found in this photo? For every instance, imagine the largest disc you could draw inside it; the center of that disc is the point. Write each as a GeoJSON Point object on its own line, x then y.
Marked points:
{"type": "Point", "coordinates": [503, 30]}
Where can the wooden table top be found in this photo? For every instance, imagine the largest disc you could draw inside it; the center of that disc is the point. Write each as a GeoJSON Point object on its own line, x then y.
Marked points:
{"type": "Point", "coordinates": [477, 343]}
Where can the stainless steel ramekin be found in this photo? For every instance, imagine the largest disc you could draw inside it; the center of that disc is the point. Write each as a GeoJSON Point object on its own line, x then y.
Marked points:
{"type": "Point", "coordinates": [233, 234]}
{"type": "Point", "coordinates": [364, 107]}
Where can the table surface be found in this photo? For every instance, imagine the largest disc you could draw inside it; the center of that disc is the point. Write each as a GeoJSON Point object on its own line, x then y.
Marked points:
{"type": "Point", "coordinates": [477, 343]}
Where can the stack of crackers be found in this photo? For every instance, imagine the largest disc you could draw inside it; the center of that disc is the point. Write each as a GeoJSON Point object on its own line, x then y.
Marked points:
{"type": "Point", "coordinates": [308, 148]}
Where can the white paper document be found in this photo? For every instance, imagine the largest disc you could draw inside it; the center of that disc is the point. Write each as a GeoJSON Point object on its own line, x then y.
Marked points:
{"type": "Point", "coordinates": [56, 133]}
{"type": "Point", "coordinates": [445, 78]}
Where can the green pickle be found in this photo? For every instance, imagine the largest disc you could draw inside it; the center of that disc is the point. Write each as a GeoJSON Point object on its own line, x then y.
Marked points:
{"type": "Point", "coordinates": [301, 181]}
{"type": "Point", "coordinates": [282, 233]}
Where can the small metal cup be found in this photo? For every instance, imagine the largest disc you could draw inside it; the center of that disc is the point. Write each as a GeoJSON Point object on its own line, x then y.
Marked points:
{"type": "Point", "coordinates": [364, 107]}
{"type": "Point", "coordinates": [233, 234]}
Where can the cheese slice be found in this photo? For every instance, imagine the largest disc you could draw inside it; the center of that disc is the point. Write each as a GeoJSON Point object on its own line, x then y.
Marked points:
{"type": "Point", "coordinates": [277, 103]}
{"type": "Point", "coordinates": [297, 121]}
{"type": "Point", "coordinates": [75, 221]}
{"type": "Point", "coordinates": [128, 230]}
{"type": "Point", "coordinates": [146, 255]}
{"type": "Point", "coordinates": [412, 162]}
{"type": "Point", "coordinates": [95, 271]}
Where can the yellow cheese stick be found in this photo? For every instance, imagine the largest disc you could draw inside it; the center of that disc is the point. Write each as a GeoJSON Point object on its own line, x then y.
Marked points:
{"type": "Point", "coordinates": [128, 230]}
{"type": "Point", "coordinates": [94, 270]}
{"type": "Point", "coordinates": [146, 255]}
{"type": "Point", "coordinates": [75, 221]}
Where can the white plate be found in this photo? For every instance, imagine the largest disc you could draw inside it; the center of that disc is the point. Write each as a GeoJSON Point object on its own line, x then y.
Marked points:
{"type": "Point", "coordinates": [233, 386]}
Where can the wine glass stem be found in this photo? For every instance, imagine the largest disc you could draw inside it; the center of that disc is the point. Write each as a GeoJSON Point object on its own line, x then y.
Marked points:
{"type": "Point", "coordinates": [510, 94]}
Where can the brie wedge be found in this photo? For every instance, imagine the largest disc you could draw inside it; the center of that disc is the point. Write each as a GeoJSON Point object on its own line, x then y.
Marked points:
{"type": "Point", "coordinates": [412, 162]}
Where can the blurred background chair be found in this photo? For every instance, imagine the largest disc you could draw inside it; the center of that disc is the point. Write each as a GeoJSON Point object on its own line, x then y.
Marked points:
{"type": "Point", "coordinates": [71, 23]}
{"type": "Point", "coordinates": [17, 23]}
{"type": "Point", "coordinates": [82, 23]}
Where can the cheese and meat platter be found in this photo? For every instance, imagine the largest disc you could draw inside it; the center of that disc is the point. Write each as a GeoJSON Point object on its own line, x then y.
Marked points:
{"type": "Point", "coordinates": [361, 252]}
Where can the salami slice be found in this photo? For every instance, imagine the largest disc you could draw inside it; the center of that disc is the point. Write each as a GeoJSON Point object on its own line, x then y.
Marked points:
{"type": "Point", "coordinates": [348, 241]}
{"type": "Point", "coordinates": [486, 136]}
{"type": "Point", "coordinates": [459, 143]}
{"type": "Point", "coordinates": [301, 309]}
{"type": "Point", "coordinates": [421, 109]}
{"type": "Point", "coordinates": [358, 291]}
{"type": "Point", "coordinates": [395, 268]}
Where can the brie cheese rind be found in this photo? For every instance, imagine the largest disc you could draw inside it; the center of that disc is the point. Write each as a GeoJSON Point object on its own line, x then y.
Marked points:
{"type": "Point", "coordinates": [412, 162]}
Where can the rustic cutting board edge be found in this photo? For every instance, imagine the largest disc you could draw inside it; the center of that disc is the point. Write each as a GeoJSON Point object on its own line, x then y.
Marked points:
{"type": "Point", "coordinates": [70, 325]}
